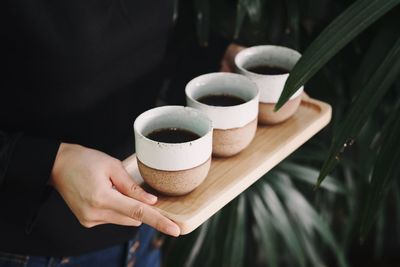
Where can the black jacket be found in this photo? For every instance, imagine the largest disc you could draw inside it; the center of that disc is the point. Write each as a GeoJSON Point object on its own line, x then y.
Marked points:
{"type": "Point", "coordinates": [78, 72]}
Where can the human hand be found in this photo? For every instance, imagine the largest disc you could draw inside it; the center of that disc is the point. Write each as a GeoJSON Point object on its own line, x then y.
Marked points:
{"type": "Point", "coordinates": [228, 61]}
{"type": "Point", "coordinates": [98, 190]}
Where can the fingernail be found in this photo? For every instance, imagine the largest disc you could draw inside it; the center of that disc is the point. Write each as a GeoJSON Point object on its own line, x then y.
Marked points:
{"type": "Point", "coordinates": [173, 230]}
{"type": "Point", "coordinates": [151, 198]}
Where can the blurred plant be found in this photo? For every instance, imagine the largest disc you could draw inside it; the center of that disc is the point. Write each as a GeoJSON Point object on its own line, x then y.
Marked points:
{"type": "Point", "coordinates": [372, 82]}
{"type": "Point", "coordinates": [280, 221]}
{"type": "Point", "coordinates": [272, 222]}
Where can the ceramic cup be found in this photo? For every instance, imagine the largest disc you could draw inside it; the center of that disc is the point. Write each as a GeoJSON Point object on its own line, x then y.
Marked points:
{"type": "Point", "coordinates": [234, 126]}
{"type": "Point", "coordinates": [270, 85]}
{"type": "Point", "coordinates": [173, 168]}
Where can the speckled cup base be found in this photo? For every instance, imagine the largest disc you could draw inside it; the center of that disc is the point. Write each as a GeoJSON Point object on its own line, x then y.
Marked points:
{"type": "Point", "coordinates": [174, 183]}
{"type": "Point", "coordinates": [267, 116]}
{"type": "Point", "coordinates": [229, 142]}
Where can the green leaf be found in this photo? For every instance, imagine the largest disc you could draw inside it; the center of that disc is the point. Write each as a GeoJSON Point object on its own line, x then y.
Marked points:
{"type": "Point", "coordinates": [386, 171]}
{"type": "Point", "coordinates": [235, 238]}
{"type": "Point", "coordinates": [197, 245]}
{"type": "Point", "coordinates": [387, 35]}
{"type": "Point", "coordinates": [240, 15]}
{"type": "Point", "coordinates": [379, 234]}
{"type": "Point", "coordinates": [175, 13]}
{"type": "Point", "coordinates": [309, 246]}
{"type": "Point", "coordinates": [397, 205]}
{"type": "Point", "coordinates": [176, 250]}
{"type": "Point", "coordinates": [336, 35]}
{"type": "Point", "coordinates": [366, 102]}
{"type": "Point", "coordinates": [281, 222]}
{"type": "Point", "coordinates": [309, 218]}
{"type": "Point", "coordinates": [204, 249]}
{"type": "Point", "coordinates": [254, 9]}
{"type": "Point", "coordinates": [351, 202]}
{"type": "Point", "coordinates": [293, 15]}
{"type": "Point", "coordinates": [265, 231]}
{"type": "Point", "coordinates": [250, 8]}
{"type": "Point", "coordinates": [309, 175]}
{"type": "Point", "coordinates": [202, 8]}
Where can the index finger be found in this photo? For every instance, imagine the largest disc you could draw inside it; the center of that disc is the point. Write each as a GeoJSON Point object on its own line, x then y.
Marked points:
{"type": "Point", "coordinates": [124, 183]}
{"type": "Point", "coordinates": [142, 212]}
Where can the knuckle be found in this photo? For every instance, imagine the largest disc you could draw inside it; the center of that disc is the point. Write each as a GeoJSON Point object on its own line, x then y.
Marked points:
{"type": "Point", "coordinates": [97, 199]}
{"type": "Point", "coordinates": [117, 163]}
{"type": "Point", "coordinates": [137, 223]}
{"type": "Point", "coordinates": [90, 225]}
{"type": "Point", "coordinates": [85, 219]}
{"type": "Point", "coordinates": [135, 188]}
{"type": "Point", "coordinates": [138, 213]}
{"type": "Point", "coordinates": [159, 226]}
{"type": "Point", "coordinates": [86, 223]}
{"type": "Point", "coordinates": [88, 215]}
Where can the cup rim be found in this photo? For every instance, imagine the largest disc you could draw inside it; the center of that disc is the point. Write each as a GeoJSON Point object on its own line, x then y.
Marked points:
{"type": "Point", "coordinates": [213, 74]}
{"type": "Point", "coordinates": [172, 107]}
{"type": "Point", "coordinates": [243, 52]}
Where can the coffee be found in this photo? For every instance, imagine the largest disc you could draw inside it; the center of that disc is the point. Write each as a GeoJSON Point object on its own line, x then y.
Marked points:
{"type": "Point", "coordinates": [221, 100]}
{"type": "Point", "coordinates": [172, 135]}
{"type": "Point", "coordinates": [268, 70]}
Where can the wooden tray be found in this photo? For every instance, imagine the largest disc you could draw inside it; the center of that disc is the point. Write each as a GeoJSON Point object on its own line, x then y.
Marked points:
{"type": "Point", "coordinates": [231, 176]}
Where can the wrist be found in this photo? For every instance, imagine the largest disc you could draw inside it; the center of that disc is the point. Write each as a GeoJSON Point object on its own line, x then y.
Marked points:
{"type": "Point", "coordinates": [60, 160]}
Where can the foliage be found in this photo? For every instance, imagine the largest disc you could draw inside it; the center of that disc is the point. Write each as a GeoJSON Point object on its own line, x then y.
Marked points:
{"type": "Point", "coordinates": [350, 59]}
{"type": "Point", "coordinates": [270, 222]}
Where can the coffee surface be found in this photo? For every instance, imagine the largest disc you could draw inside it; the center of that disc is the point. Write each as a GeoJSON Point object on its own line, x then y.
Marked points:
{"type": "Point", "coordinates": [221, 100]}
{"type": "Point", "coordinates": [268, 70]}
{"type": "Point", "coordinates": [172, 135]}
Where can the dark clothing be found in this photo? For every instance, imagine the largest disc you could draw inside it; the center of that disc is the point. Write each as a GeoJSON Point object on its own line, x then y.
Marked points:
{"type": "Point", "coordinates": [141, 251]}
{"type": "Point", "coordinates": [80, 72]}
{"type": "Point", "coordinates": [77, 72]}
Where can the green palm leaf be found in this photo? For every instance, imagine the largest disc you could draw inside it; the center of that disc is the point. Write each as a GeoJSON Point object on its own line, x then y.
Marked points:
{"type": "Point", "coordinates": [252, 8]}
{"type": "Point", "coordinates": [366, 102]}
{"type": "Point", "coordinates": [264, 230]}
{"type": "Point", "coordinates": [311, 220]}
{"type": "Point", "coordinates": [308, 174]}
{"type": "Point", "coordinates": [293, 10]}
{"type": "Point", "coordinates": [235, 239]}
{"type": "Point", "coordinates": [340, 32]}
{"type": "Point", "coordinates": [382, 42]}
{"type": "Point", "coordinates": [385, 172]}
{"type": "Point", "coordinates": [197, 245]}
{"type": "Point", "coordinates": [202, 8]}
{"type": "Point", "coordinates": [309, 243]}
{"type": "Point", "coordinates": [397, 201]}
{"type": "Point", "coordinates": [281, 222]}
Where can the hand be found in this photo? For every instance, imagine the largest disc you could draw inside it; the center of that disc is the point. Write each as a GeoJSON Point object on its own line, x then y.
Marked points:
{"type": "Point", "coordinates": [228, 61]}
{"type": "Point", "coordinates": [98, 190]}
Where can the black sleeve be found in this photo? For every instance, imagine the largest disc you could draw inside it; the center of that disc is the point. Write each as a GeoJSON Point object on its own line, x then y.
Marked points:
{"type": "Point", "coordinates": [25, 167]}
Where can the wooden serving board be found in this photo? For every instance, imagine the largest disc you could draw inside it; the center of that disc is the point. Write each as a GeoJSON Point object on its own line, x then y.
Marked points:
{"type": "Point", "coordinates": [228, 177]}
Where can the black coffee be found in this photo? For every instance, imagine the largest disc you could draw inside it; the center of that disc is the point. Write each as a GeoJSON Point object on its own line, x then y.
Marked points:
{"type": "Point", "coordinates": [221, 100]}
{"type": "Point", "coordinates": [172, 135]}
{"type": "Point", "coordinates": [268, 70]}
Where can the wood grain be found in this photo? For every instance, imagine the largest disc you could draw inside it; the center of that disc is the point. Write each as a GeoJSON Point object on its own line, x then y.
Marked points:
{"type": "Point", "coordinates": [229, 177]}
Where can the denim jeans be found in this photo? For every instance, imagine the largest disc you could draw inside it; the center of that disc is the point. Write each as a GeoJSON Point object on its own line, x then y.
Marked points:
{"type": "Point", "coordinates": [142, 251]}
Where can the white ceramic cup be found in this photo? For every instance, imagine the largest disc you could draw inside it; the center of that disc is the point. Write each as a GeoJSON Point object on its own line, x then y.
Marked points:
{"type": "Point", "coordinates": [173, 168]}
{"type": "Point", "coordinates": [234, 126]}
{"type": "Point", "coordinates": [270, 86]}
